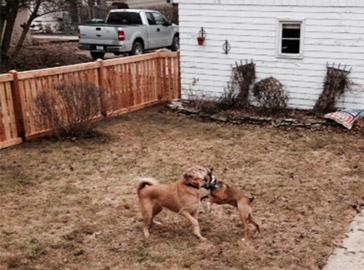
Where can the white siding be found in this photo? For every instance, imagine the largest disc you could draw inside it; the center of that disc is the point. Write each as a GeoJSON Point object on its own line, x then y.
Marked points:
{"type": "Point", "coordinates": [334, 33]}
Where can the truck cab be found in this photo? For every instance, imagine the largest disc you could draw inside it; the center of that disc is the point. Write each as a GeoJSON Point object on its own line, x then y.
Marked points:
{"type": "Point", "coordinates": [129, 31]}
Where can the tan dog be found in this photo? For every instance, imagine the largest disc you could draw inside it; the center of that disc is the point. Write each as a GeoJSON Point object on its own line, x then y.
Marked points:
{"type": "Point", "coordinates": [181, 197]}
{"type": "Point", "coordinates": [222, 193]}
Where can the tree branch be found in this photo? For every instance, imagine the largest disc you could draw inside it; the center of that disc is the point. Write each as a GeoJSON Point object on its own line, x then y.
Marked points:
{"type": "Point", "coordinates": [26, 27]}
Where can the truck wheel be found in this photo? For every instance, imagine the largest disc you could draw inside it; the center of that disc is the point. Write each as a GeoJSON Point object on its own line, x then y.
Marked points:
{"type": "Point", "coordinates": [138, 48]}
{"type": "Point", "coordinates": [97, 55]}
{"type": "Point", "coordinates": [175, 43]}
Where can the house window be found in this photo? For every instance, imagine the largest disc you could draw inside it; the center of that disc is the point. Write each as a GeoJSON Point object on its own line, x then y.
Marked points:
{"type": "Point", "coordinates": [290, 39]}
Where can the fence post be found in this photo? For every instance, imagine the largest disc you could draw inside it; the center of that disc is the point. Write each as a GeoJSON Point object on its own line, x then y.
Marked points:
{"type": "Point", "coordinates": [179, 88]}
{"type": "Point", "coordinates": [159, 80]}
{"type": "Point", "coordinates": [18, 107]}
{"type": "Point", "coordinates": [103, 96]}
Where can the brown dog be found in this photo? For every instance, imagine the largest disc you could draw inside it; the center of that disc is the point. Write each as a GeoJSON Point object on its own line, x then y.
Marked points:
{"type": "Point", "coordinates": [222, 193]}
{"type": "Point", "coordinates": [181, 197]}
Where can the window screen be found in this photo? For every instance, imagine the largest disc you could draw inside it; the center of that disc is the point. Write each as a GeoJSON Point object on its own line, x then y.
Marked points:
{"type": "Point", "coordinates": [124, 18]}
{"type": "Point", "coordinates": [291, 38]}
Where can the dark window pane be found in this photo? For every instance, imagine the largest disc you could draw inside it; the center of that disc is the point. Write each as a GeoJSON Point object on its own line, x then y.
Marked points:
{"type": "Point", "coordinates": [150, 18]}
{"type": "Point", "coordinates": [291, 33]}
{"type": "Point", "coordinates": [124, 18]}
{"type": "Point", "coordinates": [291, 46]}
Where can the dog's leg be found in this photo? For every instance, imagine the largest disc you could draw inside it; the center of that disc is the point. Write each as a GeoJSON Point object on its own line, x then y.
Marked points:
{"type": "Point", "coordinates": [195, 225]}
{"type": "Point", "coordinates": [209, 203]}
{"type": "Point", "coordinates": [244, 214]}
{"type": "Point", "coordinates": [209, 206]}
{"type": "Point", "coordinates": [253, 222]}
{"type": "Point", "coordinates": [156, 210]}
{"type": "Point", "coordinates": [147, 210]}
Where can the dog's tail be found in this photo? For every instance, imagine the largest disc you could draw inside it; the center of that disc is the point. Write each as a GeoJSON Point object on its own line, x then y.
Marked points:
{"type": "Point", "coordinates": [146, 182]}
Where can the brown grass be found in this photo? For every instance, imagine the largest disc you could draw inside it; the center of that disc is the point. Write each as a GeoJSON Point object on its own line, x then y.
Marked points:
{"type": "Point", "coordinates": [73, 205]}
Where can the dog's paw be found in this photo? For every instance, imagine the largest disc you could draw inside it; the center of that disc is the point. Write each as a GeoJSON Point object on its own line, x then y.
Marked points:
{"type": "Point", "coordinates": [202, 238]}
{"type": "Point", "coordinates": [157, 223]}
{"type": "Point", "coordinates": [209, 207]}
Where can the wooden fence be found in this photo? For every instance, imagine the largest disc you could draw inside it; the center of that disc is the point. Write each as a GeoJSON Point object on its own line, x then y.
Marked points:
{"type": "Point", "coordinates": [131, 83]}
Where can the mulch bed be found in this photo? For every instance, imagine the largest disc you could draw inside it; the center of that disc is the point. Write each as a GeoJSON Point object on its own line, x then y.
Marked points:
{"type": "Point", "coordinates": [287, 119]}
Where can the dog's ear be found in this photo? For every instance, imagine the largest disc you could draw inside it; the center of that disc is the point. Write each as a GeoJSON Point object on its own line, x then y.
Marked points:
{"type": "Point", "coordinates": [186, 176]}
{"type": "Point", "coordinates": [212, 169]}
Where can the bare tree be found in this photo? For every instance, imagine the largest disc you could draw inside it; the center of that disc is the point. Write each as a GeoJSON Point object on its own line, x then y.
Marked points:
{"type": "Point", "coordinates": [91, 9]}
{"type": "Point", "coordinates": [9, 10]}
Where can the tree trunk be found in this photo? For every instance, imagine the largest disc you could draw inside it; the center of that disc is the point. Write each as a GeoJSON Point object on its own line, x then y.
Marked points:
{"type": "Point", "coordinates": [91, 9]}
{"type": "Point", "coordinates": [1, 20]}
{"type": "Point", "coordinates": [10, 15]}
{"type": "Point", "coordinates": [25, 29]}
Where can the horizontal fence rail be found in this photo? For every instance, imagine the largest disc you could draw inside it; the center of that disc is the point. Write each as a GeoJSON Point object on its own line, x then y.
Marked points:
{"type": "Point", "coordinates": [130, 83]}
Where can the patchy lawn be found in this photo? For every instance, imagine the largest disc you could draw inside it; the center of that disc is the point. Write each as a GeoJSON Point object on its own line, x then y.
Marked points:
{"type": "Point", "coordinates": [73, 205]}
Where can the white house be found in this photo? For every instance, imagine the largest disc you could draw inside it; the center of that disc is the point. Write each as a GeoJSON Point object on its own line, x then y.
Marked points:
{"type": "Point", "coordinates": [313, 33]}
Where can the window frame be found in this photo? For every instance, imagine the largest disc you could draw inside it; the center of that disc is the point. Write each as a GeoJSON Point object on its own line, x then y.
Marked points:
{"type": "Point", "coordinates": [280, 23]}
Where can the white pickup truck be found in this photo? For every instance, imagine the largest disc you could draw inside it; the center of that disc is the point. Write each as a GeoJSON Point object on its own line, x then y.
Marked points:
{"type": "Point", "coordinates": [128, 31]}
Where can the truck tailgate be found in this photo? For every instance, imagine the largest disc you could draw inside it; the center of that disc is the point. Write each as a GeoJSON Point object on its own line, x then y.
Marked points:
{"type": "Point", "coordinates": [103, 34]}
{"type": "Point", "coordinates": [98, 34]}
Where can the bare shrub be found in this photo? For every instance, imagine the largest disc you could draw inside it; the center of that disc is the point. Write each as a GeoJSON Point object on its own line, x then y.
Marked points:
{"type": "Point", "coordinates": [169, 11]}
{"type": "Point", "coordinates": [271, 95]}
{"type": "Point", "coordinates": [195, 99]}
{"type": "Point", "coordinates": [199, 101]}
{"type": "Point", "coordinates": [236, 95]}
{"type": "Point", "coordinates": [72, 107]}
{"type": "Point", "coordinates": [228, 100]}
{"type": "Point", "coordinates": [46, 55]}
{"type": "Point", "coordinates": [210, 107]}
{"type": "Point", "coordinates": [336, 82]}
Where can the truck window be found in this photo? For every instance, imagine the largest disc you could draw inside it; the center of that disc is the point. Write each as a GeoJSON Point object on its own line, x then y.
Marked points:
{"type": "Point", "coordinates": [124, 18]}
{"type": "Point", "coordinates": [159, 19]}
{"type": "Point", "coordinates": [150, 18]}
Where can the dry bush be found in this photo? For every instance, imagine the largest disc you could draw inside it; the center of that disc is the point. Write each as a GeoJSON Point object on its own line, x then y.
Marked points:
{"type": "Point", "coordinates": [48, 55]}
{"type": "Point", "coordinates": [336, 82]}
{"type": "Point", "coordinates": [199, 101]}
{"type": "Point", "coordinates": [271, 95]}
{"type": "Point", "coordinates": [169, 11]}
{"type": "Point", "coordinates": [228, 99]}
{"type": "Point", "coordinates": [210, 107]}
{"type": "Point", "coordinates": [236, 95]}
{"type": "Point", "coordinates": [72, 108]}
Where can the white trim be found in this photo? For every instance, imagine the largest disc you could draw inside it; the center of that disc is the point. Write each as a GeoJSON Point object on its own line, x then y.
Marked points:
{"type": "Point", "coordinates": [280, 22]}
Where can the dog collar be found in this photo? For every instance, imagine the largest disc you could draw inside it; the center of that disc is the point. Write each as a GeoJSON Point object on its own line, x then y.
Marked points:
{"type": "Point", "coordinates": [192, 186]}
{"type": "Point", "coordinates": [214, 186]}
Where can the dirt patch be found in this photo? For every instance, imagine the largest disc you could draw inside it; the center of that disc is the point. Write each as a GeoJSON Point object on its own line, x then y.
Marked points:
{"type": "Point", "coordinates": [73, 204]}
